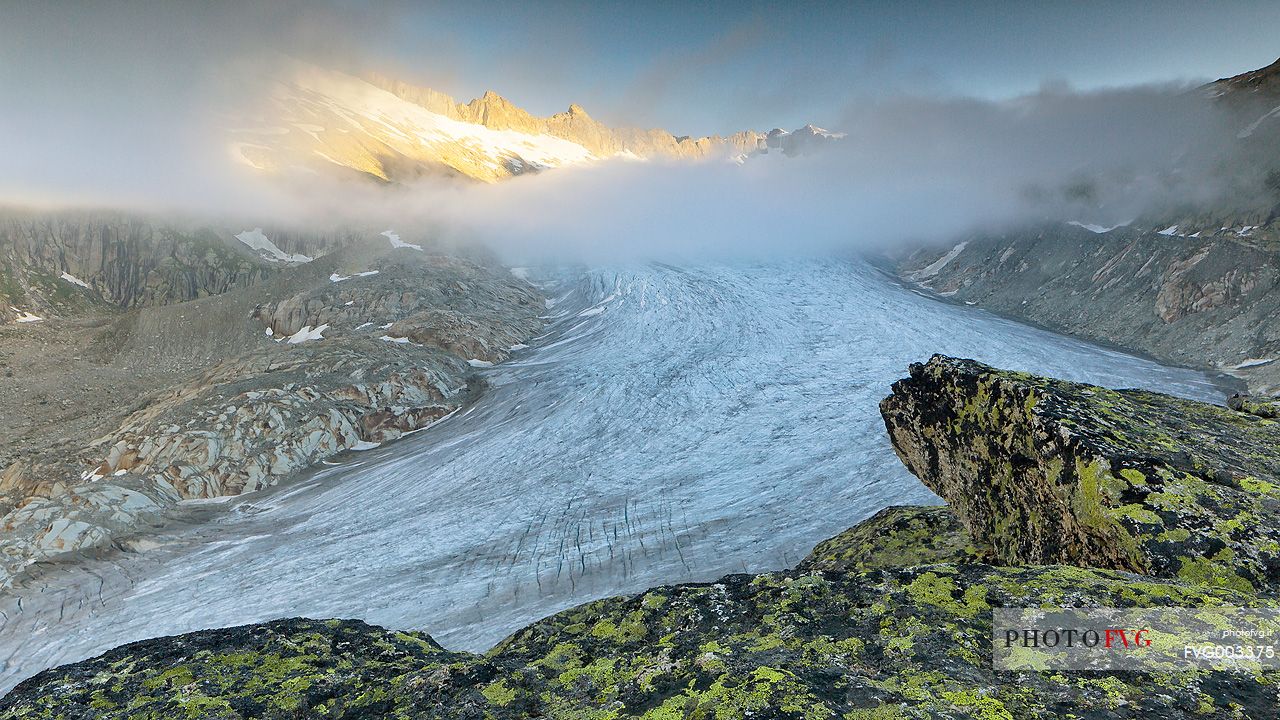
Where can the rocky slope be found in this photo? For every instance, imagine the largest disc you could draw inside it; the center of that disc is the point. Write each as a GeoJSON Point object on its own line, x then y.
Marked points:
{"type": "Point", "coordinates": [143, 406]}
{"type": "Point", "coordinates": [67, 262]}
{"type": "Point", "coordinates": [891, 619]}
{"type": "Point", "coordinates": [1204, 301]}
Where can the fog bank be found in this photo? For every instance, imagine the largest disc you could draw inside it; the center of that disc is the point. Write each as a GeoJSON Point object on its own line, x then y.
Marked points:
{"type": "Point", "coordinates": [129, 105]}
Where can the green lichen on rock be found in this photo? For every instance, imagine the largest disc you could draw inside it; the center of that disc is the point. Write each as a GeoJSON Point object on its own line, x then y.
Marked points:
{"type": "Point", "coordinates": [1120, 479]}
{"type": "Point", "coordinates": [897, 536]}
{"type": "Point", "coordinates": [1266, 407]}
{"type": "Point", "coordinates": [904, 642]}
{"type": "Point", "coordinates": [286, 668]}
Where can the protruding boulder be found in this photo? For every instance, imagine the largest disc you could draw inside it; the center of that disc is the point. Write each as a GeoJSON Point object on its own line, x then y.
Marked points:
{"type": "Point", "coordinates": [1046, 471]}
{"type": "Point", "coordinates": [1265, 407]}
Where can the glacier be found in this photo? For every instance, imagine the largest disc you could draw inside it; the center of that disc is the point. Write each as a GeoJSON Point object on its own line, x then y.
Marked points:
{"type": "Point", "coordinates": [674, 423]}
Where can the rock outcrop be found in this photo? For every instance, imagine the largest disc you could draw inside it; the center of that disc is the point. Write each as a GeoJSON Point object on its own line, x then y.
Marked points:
{"type": "Point", "coordinates": [1045, 471]}
{"type": "Point", "coordinates": [896, 537]}
{"type": "Point", "coordinates": [891, 619]}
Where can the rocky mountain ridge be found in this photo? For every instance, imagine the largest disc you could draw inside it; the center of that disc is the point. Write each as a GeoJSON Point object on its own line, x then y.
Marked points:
{"type": "Point", "coordinates": [374, 127]}
{"type": "Point", "coordinates": [68, 261]}
{"type": "Point", "coordinates": [891, 619]}
{"type": "Point", "coordinates": [1191, 285]}
{"type": "Point", "coordinates": [494, 111]}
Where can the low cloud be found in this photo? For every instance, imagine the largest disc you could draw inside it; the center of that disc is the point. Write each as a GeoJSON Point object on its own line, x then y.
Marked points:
{"type": "Point", "coordinates": [908, 169]}
{"type": "Point", "coordinates": [130, 107]}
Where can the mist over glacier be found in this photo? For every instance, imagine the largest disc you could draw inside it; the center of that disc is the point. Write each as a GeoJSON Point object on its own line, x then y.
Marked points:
{"type": "Point", "coordinates": [915, 163]}
{"type": "Point", "coordinates": [908, 168]}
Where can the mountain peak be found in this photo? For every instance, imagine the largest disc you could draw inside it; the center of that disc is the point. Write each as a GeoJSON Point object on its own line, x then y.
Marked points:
{"type": "Point", "coordinates": [415, 131]}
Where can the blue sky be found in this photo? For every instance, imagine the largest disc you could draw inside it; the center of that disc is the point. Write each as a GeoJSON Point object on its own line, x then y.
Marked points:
{"type": "Point", "coordinates": [719, 66]}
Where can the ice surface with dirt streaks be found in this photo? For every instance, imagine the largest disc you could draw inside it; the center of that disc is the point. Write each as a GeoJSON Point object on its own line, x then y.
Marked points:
{"type": "Point", "coordinates": [673, 424]}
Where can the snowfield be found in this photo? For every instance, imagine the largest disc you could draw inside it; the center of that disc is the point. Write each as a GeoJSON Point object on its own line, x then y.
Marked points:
{"type": "Point", "coordinates": [267, 250]}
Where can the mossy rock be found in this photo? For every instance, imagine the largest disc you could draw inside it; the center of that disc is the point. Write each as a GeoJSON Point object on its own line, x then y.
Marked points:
{"type": "Point", "coordinates": [1046, 471]}
{"type": "Point", "coordinates": [1267, 407]}
{"type": "Point", "coordinates": [897, 536]}
{"type": "Point", "coordinates": [896, 643]}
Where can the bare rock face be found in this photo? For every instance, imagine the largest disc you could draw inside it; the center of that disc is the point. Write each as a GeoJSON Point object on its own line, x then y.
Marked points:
{"type": "Point", "coordinates": [68, 261]}
{"type": "Point", "coordinates": [1208, 301]}
{"type": "Point", "coordinates": [1186, 288]}
{"type": "Point", "coordinates": [1045, 471]}
{"type": "Point", "coordinates": [355, 358]}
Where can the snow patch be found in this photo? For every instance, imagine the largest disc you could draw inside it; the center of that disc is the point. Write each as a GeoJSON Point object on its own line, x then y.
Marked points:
{"type": "Point", "coordinates": [26, 317]}
{"type": "Point", "coordinates": [399, 340]}
{"type": "Point", "coordinates": [1254, 362]}
{"type": "Point", "coordinates": [1273, 112]}
{"type": "Point", "coordinates": [474, 362]}
{"type": "Point", "coordinates": [364, 445]}
{"type": "Point", "coordinates": [307, 333]}
{"type": "Point", "coordinates": [1095, 228]}
{"type": "Point", "coordinates": [267, 250]}
{"type": "Point", "coordinates": [335, 277]}
{"type": "Point", "coordinates": [1171, 230]}
{"type": "Point", "coordinates": [937, 265]}
{"type": "Point", "coordinates": [74, 280]}
{"type": "Point", "coordinates": [396, 242]}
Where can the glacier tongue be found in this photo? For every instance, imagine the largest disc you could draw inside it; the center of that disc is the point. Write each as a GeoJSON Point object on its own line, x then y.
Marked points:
{"type": "Point", "coordinates": [709, 419]}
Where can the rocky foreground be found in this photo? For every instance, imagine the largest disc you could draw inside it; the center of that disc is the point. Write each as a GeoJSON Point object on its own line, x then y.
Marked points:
{"type": "Point", "coordinates": [1060, 495]}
